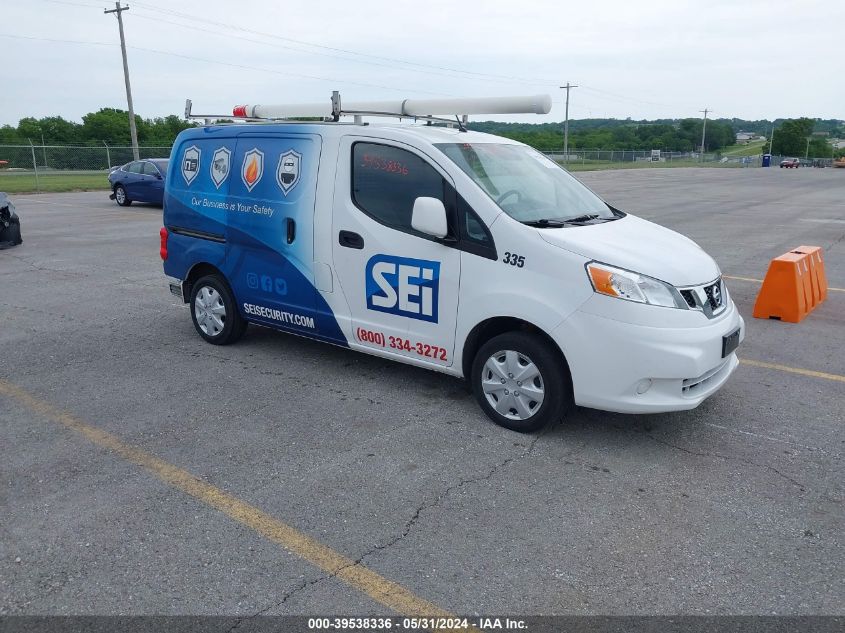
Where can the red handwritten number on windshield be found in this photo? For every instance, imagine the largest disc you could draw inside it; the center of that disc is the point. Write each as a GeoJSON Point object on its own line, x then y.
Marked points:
{"type": "Point", "coordinates": [390, 166]}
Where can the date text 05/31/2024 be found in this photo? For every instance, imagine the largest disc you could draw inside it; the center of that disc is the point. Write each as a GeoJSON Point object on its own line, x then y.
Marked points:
{"type": "Point", "coordinates": [454, 623]}
{"type": "Point", "coordinates": [402, 344]}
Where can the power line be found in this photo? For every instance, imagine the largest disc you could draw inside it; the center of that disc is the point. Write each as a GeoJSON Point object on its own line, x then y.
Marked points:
{"type": "Point", "coordinates": [133, 133]}
{"type": "Point", "coordinates": [32, 38]}
{"type": "Point", "coordinates": [360, 57]}
{"type": "Point", "coordinates": [334, 82]}
{"type": "Point", "coordinates": [193, 19]}
{"type": "Point", "coordinates": [252, 40]}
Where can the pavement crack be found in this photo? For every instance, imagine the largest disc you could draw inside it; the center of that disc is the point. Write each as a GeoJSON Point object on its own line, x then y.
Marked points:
{"type": "Point", "coordinates": [45, 268]}
{"type": "Point", "coordinates": [290, 593]}
{"type": "Point", "coordinates": [727, 458]}
{"type": "Point", "coordinates": [427, 505]}
{"type": "Point", "coordinates": [409, 525]}
{"type": "Point", "coordinates": [836, 242]}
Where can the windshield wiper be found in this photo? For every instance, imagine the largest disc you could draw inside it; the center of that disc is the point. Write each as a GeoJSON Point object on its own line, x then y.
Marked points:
{"type": "Point", "coordinates": [581, 218]}
{"type": "Point", "coordinates": [544, 223]}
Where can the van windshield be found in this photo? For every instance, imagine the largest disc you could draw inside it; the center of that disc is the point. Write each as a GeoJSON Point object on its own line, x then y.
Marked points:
{"type": "Point", "coordinates": [526, 185]}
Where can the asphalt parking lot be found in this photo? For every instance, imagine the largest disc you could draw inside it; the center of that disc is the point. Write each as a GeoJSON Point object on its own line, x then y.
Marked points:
{"type": "Point", "coordinates": [106, 390]}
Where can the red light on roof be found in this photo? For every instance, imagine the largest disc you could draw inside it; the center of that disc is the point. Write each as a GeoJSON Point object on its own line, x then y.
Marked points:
{"type": "Point", "coordinates": [239, 111]}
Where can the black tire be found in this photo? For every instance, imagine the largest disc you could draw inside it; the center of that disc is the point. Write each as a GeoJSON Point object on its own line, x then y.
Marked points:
{"type": "Point", "coordinates": [553, 377]}
{"type": "Point", "coordinates": [233, 324]}
{"type": "Point", "coordinates": [120, 194]}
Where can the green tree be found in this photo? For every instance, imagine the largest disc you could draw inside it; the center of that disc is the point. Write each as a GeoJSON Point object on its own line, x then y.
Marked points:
{"type": "Point", "coordinates": [791, 137]}
{"type": "Point", "coordinates": [111, 125]}
{"type": "Point", "coordinates": [9, 136]}
{"type": "Point", "coordinates": [58, 131]}
{"type": "Point", "coordinates": [819, 148]}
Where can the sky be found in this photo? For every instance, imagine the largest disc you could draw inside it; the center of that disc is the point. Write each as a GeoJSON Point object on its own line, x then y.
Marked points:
{"type": "Point", "coordinates": [750, 59]}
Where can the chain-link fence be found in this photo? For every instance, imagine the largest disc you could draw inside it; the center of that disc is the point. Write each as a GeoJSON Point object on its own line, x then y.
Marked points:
{"type": "Point", "coordinates": [65, 167]}
{"type": "Point", "coordinates": [73, 157]}
{"type": "Point", "coordinates": [62, 167]}
{"type": "Point", "coordinates": [596, 158]}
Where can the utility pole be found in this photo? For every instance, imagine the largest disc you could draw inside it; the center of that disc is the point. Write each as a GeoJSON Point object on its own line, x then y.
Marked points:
{"type": "Point", "coordinates": [132, 131]}
{"type": "Point", "coordinates": [703, 130]}
{"type": "Point", "coordinates": [807, 151]}
{"type": "Point", "coordinates": [772, 140]}
{"type": "Point", "coordinates": [567, 87]}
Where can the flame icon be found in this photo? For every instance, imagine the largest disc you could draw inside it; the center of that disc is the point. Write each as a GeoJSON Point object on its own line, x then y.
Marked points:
{"type": "Point", "coordinates": [252, 168]}
{"type": "Point", "coordinates": [251, 173]}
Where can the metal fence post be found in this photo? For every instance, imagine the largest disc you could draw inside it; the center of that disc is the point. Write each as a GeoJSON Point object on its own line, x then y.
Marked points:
{"type": "Point", "coordinates": [108, 156]}
{"type": "Point", "coordinates": [34, 165]}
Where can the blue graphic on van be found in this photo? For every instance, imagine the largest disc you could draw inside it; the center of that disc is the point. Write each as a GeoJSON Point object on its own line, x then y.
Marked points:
{"type": "Point", "coordinates": [191, 164]}
{"type": "Point", "coordinates": [248, 212]}
{"type": "Point", "coordinates": [403, 286]}
{"type": "Point", "coordinates": [287, 173]}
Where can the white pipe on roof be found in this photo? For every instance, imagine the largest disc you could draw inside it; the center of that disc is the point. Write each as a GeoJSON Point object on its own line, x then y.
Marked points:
{"type": "Point", "coordinates": [537, 104]}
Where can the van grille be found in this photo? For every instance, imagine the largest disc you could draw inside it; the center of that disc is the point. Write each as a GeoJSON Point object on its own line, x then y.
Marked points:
{"type": "Point", "coordinates": [711, 298]}
{"type": "Point", "coordinates": [689, 297]}
{"type": "Point", "coordinates": [714, 295]}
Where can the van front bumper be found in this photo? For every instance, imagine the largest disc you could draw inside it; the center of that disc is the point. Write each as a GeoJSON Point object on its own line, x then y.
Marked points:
{"type": "Point", "coordinates": [635, 368]}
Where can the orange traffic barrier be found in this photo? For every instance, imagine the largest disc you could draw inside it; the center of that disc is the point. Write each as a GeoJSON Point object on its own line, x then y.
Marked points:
{"type": "Point", "coordinates": [817, 273]}
{"type": "Point", "coordinates": [794, 285]}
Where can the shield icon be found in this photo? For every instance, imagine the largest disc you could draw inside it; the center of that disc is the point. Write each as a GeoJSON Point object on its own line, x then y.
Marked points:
{"type": "Point", "coordinates": [190, 164]}
{"type": "Point", "coordinates": [220, 161]}
{"type": "Point", "coordinates": [252, 168]}
{"type": "Point", "coordinates": [287, 173]}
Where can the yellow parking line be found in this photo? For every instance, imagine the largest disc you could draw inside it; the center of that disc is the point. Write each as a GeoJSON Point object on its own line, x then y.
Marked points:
{"type": "Point", "coordinates": [356, 575]}
{"type": "Point", "coordinates": [759, 281]}
{"type": "Point", "coordinates": [793, 370]}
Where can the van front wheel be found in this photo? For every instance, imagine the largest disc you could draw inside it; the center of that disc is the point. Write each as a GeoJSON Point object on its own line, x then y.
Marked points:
{"type": "Point", "coordinates": [214, 312]}
{"type": "Point", "coordinates": [519, 382]}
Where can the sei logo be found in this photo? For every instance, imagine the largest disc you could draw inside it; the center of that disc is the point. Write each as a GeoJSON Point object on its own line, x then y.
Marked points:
{"type": "Point", "coordinates": [404, 286]}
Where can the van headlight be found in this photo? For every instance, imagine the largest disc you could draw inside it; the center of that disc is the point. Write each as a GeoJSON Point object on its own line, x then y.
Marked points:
{"type": "Point", "coordinates": [625, 284]}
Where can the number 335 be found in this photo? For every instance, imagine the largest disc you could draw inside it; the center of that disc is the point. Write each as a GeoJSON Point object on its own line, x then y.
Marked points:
{"type": "Point", "coordinates": [514, 260]}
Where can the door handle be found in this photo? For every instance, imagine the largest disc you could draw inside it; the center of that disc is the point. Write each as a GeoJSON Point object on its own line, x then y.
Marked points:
{"type": "Point", "coordinates": [350, 239]}
{"type": "Point", "coordinates": [291, 230]}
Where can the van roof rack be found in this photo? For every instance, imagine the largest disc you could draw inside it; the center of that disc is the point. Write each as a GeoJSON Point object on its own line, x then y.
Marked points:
{"type": "Point", "coordinates": [430, 110]}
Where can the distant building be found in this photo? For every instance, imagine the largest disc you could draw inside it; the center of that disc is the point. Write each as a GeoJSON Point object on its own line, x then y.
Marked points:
{"type": "Point", "coordinates": [744, 137]}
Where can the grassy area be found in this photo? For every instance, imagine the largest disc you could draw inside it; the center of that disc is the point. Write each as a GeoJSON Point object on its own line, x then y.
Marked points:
{"type": "Point", "coordinates": [54, 182]}
{"type": "Point", "coordinates": [753, 148]}
{"type": "Point", "coordinates": [24, 182]}
{"type": "Point", "coordinates": [591, 165]}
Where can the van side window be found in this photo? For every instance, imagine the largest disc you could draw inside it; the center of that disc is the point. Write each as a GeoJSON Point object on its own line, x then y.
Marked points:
{"type": "Point", "coordinates": [475, 236]}
{"type": "Point", "coordinates": [474, 230]}
{"type": "Point", "coordinates": [386, 180]}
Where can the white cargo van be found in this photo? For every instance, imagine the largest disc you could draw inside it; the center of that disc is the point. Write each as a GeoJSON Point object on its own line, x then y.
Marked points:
{"type": "Point", "coordinates": [457, 251]}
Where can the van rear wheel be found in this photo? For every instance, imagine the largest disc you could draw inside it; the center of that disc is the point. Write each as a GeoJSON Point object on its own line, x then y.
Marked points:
{"type": "Point", "coordinates": [214, 312]}
{"type": "Point", "coordinates": [519, 382]}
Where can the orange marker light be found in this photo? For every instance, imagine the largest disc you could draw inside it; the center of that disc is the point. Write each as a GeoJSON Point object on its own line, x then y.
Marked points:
{"type": "Point", "coordinates": [602, 281]}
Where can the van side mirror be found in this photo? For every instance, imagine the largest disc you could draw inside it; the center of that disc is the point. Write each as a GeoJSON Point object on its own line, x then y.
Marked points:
{"type": "Point", "coordinates": [429, 217]}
